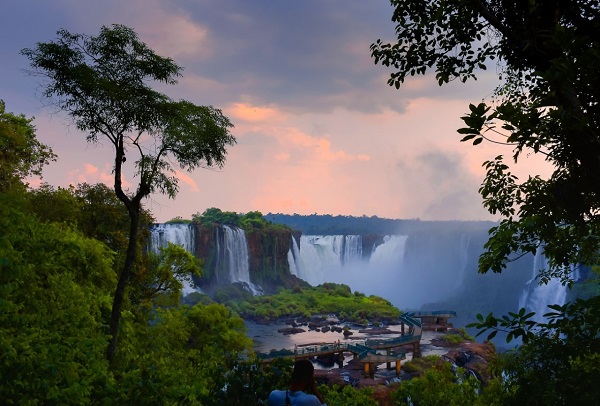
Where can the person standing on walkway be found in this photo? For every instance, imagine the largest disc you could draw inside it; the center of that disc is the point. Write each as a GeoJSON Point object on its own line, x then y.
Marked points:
{"type": "Point", "coordinates": [303, 380]}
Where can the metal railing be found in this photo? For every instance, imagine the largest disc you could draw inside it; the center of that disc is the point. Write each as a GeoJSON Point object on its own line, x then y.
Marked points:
{"type": "Point", "coordinates": [362, 349]}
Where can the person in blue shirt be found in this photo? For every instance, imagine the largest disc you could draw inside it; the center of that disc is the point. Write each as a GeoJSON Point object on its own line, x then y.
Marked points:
{"type": "Point", "coordinates": [303, 380]}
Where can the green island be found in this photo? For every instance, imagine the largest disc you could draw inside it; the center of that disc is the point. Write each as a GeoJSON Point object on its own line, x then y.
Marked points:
{"type": "Point", "coordinates": [328, 298]}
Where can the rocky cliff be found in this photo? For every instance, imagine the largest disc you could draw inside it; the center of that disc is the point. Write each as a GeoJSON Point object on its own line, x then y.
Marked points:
{"type": "Point", "coordinates": [268, 249]}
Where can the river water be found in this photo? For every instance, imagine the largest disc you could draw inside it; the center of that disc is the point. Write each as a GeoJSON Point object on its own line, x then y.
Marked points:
{"type": "Point", "coordinates": [267, 338]}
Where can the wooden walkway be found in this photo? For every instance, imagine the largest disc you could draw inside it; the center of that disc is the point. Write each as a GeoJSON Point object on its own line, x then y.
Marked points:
{"type": "Point", "coordinates": [365, 351]}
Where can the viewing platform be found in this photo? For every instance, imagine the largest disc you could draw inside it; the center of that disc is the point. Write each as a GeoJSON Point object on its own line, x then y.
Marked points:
{"type": "Point", "coordinates": [368, 352]}
{"type": "Point", "coordinates": [437, 318]}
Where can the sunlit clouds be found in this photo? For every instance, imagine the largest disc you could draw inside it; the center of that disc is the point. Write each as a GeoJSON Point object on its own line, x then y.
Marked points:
{"type": "Point", "coordinates": [318, 128]}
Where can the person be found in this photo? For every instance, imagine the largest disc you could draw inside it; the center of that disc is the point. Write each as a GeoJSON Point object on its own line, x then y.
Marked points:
{"type": "Point", "coordinates": [303, 380]}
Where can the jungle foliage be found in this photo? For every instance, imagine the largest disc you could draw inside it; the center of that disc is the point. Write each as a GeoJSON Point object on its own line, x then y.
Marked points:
{"type": "Point", "coordinates": [60, 252]}
{"type": "Point", "coordinates": [103, 83]}
{"type": "Point", "coordinates": [546, 54]}
{"type": "Point", "coordinates": [247, 221]}
{"type": "Point", "coordinates": [328, 298]}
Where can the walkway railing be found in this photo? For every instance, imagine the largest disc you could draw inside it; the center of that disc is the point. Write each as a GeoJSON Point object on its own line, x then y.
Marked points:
{"type": "Point", "coordinates": [448, 313]}
{"type": "Point", "coordinates": [361, 349]}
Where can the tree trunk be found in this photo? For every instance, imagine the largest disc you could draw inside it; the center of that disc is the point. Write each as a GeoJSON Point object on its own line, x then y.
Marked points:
{"type": "Point", "coordinates": [115, 317]}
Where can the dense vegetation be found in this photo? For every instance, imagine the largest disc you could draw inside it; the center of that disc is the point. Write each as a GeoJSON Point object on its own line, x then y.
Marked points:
{"type": "Point", "coordinates": [328, 298]}
{"type": "Point", "coordinates": [546, 54]}
{"type": "Point", "coordinates": [247, 221]}
{"type": "Point", "coordinates": [103, 83]}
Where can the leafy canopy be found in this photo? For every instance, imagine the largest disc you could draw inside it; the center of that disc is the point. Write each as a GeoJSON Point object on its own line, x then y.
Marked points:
{"type": "Point", "coordinates": [21, 154]}
{"type": "Point", "coordinates": [104, 84]}
{"type": "Point", "coordinates": [546, 53]}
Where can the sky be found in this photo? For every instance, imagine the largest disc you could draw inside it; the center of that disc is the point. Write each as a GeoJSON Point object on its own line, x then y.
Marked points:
{"type": "Point", "coordinates": [318, 129]}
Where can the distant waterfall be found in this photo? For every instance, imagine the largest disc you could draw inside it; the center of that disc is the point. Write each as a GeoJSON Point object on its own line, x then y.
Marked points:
{"type": "Point", "coordinates": [180, 234]}
{"type": "Point", "coordinates": [391, 252]}
{"type": "Point", "coordinates": [233, 254]}
{"type": "Point", "coordinates": [407, 270]}
{"type": "Point", "coordinates": [318, 255]}
{"type": "Point", "coordinates": [536, 297]}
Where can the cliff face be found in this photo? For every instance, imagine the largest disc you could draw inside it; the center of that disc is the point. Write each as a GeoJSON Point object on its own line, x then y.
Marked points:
{"type": "Point", "coordinates": [267, 256]}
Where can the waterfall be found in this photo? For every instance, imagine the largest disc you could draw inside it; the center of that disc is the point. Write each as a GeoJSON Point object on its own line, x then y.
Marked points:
{"type": "Point", "coordinates": [352, 248]}
{"type": "Point", "coordinates": [409, 271]}
{"type": "Point", "coordinates": [234, 254]}
{"type": "Point", "coordinates": [178, 234]}
{"type": "Point", "coordinates": [536, 297]}
{"type": "Point", "coordinates": [390, 253]}
{"type": "Point", "coordinates": [319, 255]}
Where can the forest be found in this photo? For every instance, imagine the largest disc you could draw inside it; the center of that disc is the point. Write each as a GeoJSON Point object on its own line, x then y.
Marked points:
{"type": "Point", "coordinates": [89, 316]}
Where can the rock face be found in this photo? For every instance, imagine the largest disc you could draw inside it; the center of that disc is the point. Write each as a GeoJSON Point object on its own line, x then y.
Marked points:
{"type": "Point", "coordinates": [267, 262]}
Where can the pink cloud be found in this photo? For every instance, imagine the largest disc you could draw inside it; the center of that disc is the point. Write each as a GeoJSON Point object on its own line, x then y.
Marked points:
{"type": "Point", "coordinates": [185, 178]}
{"type": "Point", "coordinates": [92, 174]}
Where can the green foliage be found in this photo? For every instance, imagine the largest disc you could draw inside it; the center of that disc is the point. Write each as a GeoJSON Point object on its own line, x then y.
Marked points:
{"type": "Point", "coordinates": [347, 395]}
{"type": "Point", "coordinates": [58, 249]}
{"type": "Point", "coordinates": [180, 356]}
{"type": "Point", "coordinates": [329, 298]}
{"type": "Point", "coordinates": [159, 283]}
{"type": "Point", "coordinates": [456, 338]}
{"type": "Point", "coordinates": [553, 366]}
{"type": "Point", "coordinates": [21, 154]}
{"type": "Point", "coordinates": [548, 105]}
{"type": "Point", "coordinates": [439, 385]}
{"type": "Point", "coordinates": [248, 221]}
{"type": "Point", "coordinates": [421, 364]}
{"type": "Point", "coordinates": [103, 83]}
{"type": "Point", "coordinates": [55, 289]}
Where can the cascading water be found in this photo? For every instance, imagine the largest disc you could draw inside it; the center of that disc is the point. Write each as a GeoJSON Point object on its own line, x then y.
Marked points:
{"type": "Point", "coordinates": [407, 270]}
{"type": "Point", "coordinates": [234, 255]}
{"type": "Point", "coordinates": [536, 297]}
{"type": "Point", "coordinates": [318, 255]}
{"type": "Point", "coordinates": [178, 234]}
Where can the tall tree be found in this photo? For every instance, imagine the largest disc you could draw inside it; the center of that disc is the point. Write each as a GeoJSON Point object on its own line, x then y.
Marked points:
{"type": "Point", "coordinates": [547, 53]}
{"type": "Point", "coordinates": [104, 83]}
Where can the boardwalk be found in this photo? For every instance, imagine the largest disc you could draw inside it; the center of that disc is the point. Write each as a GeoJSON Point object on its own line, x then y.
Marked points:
{"type": "Point", "coordinates": [367, 351]}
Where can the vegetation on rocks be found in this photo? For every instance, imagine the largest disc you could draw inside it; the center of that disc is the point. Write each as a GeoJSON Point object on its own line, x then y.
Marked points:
{"type": "Point", "coordinates": [328, 298]}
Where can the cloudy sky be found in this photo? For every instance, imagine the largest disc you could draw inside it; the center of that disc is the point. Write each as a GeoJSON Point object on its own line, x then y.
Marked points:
{"type": "Point", "coordinates": [318, 129]}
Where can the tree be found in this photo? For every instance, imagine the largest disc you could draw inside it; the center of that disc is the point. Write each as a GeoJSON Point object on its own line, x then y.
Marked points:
{"type": "Point", "coordinates": [21, 154]}
{"type": "Point", "coordinates": [103, 83]}
{"type": "Point", "coordinates": [547, 52]}
{"type": "Point", "coordinates": [55, 289]}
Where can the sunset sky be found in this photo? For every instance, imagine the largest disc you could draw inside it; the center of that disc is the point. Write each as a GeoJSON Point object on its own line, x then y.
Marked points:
{"type": "Point", "coordinates": [318, 129]}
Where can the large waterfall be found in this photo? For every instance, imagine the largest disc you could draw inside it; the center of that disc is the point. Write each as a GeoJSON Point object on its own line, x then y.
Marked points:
{"type": "Point", "coordinates": [429, 269]}
{"type": "Point", "coordinates": [179, 234]}
{"type": "Point", "coordinates": [232, 253]}
{"type": "Point", "coordinates": [318, 255]}
{"type": "Point", "coordinates": [406, 279]}
{"type": "Point", "coordinates": [413, 270]}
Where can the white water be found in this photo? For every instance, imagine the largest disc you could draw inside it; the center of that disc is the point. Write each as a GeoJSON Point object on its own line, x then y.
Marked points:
{"type": "Point", "coordinates": [339, 259]}
{"type": "Point", "coordinates": [235, 254]}
{"type": "Point", "coordinates": [178, 234]}
{"type": "Point", "coordinates": [536, 297]}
